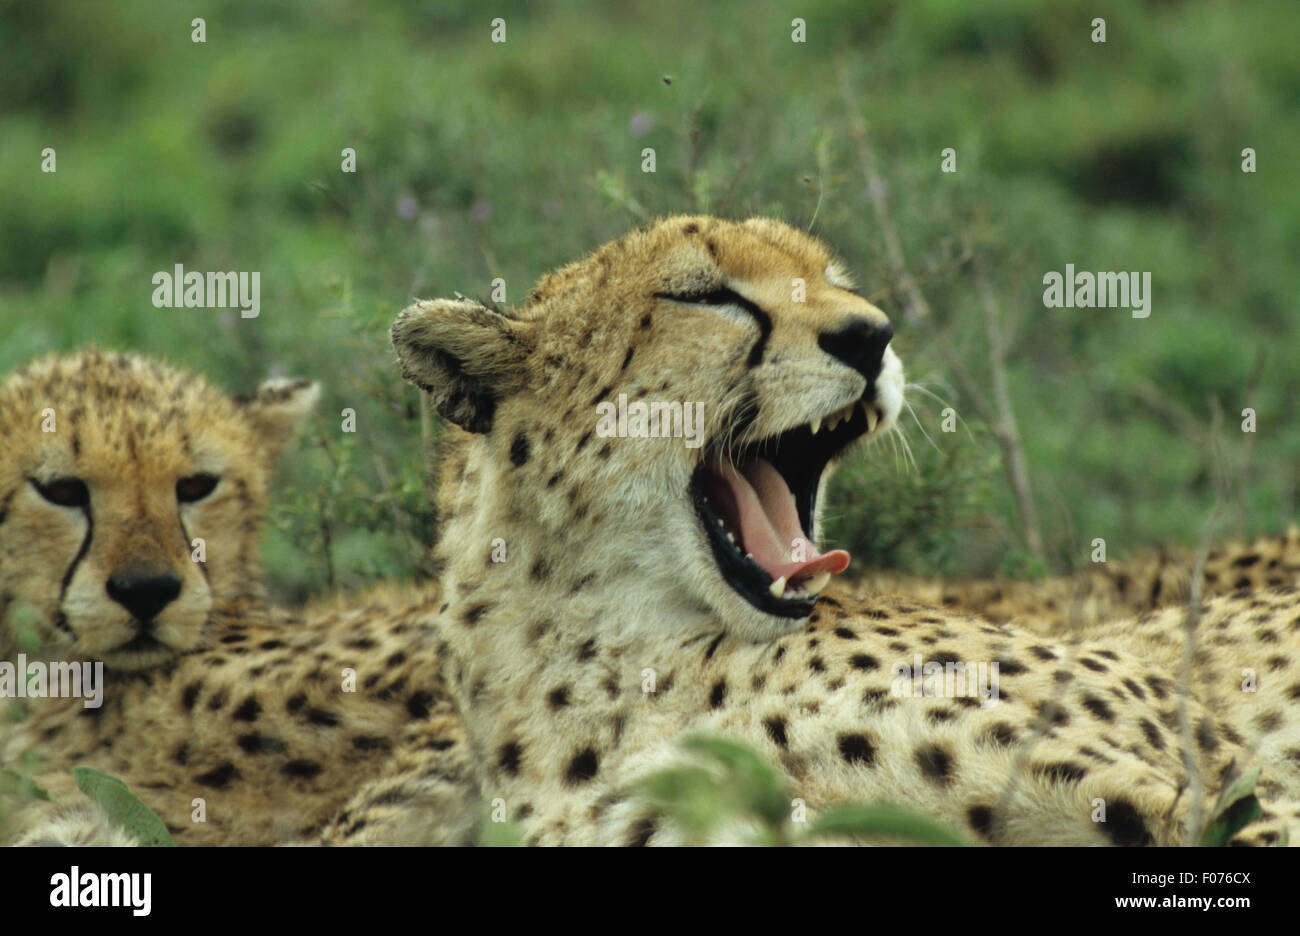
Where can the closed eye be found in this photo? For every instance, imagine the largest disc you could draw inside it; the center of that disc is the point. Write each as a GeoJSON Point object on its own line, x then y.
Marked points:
{"type": "Point", "coordinates": [722, 298]}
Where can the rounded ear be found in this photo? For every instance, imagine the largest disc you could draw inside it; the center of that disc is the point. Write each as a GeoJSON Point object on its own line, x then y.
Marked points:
{"type": "Point", "coordinates": [276, 410]}
{"type": "Point", "coordinates": [466, 356]}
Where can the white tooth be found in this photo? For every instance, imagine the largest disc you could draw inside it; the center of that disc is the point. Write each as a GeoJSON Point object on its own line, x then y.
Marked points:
{"type": "Point", "coordinates": [730, 538]}
{"type": "Point", "coordinates": [749, 556]}
{"type": "Point", "coordinates": [818, 582]}
{"type": "Point", "coordinates": [816, 425]}
{"type": "Point", "coordinates": [719, 523]}
{"type": "Point", "coordinates": [778, 587]}
{"type": "Point", "coordinates": [832, 421]}
{"type": "Point", "coordinates": [872, 420]}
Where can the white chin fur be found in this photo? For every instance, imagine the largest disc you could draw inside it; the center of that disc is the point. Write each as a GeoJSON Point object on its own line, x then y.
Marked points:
{"type": "Point", "coordinates": [889, 390]}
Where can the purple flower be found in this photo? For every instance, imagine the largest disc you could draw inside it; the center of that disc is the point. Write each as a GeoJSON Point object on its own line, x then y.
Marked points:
{"type": "Point", "coordinates": [642, 122]}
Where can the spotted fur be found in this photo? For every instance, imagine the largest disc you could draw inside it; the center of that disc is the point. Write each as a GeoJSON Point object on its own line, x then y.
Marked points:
{"type": "Point", "coordinates": [610, 633]}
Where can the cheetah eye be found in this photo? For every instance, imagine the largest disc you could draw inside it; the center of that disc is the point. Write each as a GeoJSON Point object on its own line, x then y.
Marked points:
{"type": "Point", "coordinates": [66, 492]}
{"type": "Point", "coordinates": [195, 487]}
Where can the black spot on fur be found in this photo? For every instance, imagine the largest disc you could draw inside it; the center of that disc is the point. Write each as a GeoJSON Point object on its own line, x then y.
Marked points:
{"type": "Point", "coordinates": [713, 645]}
{"type": "Point", "coordinates": [301, 768]}
{"type": "Point", "coordinates": [1098, 708]}
{"type": "Point", "coordinates": [371, 743]}
{"type": "Point", "coordinates": [1159, 686]}
{"type": "Point", "coordinates": [519, 450]}
{"type": "Point", "coordinates": [641, 832]}
{"type": "Point", "coordinates": [322, 717]}
{"type": "Point", "coordinates": [1043, 653]}
{"type": "Point", "coordinates": [295, 702]}
{"type": "Point", "coordinates": [1093, 665]}
{"type": "Point", "coordinates": [190, 695]}
{"type": "Point", "coordinates": [1008, 666]}
{"type": "Point", "coordinates": [1053, 714]}
{"type": "Point", "coordinates": [1064, 771]}
{"type": "Point", "coordinates": [1125, 826]}
{"type": "Point", "coordinates": [981, 821]}
{"type": "Point", "coordinates": [1152, 732]}
{"type": "Point", "coordinates": [248, 710]}
{"type": "Point", "coordinates": [776, 730]}
{"type": "Point", "coordinates": [473, 613]}
{"type": "Point", "coordinates": [218, 701]}
{"type": "Point", "coordinates": [864, 662]}
{"type": "Point", "coordinates": [845, 633]}
{"type": "Point", "coordinates": [856, 749]}
{"type": "Point", "coordinates": [1000, 734]}
{"type": "Point", "coordinates": [182, 753]}
{"type": "Point", "coordinates": [583, 767]}
{"type": "Point", "coordinates": [558, 697]}
{"type": "Point", "coordinates": [719, 694]}
{"type": "Point", "coordinates": [257, 743]}
{"type": "Point", "coordinates": [1134, 688]}
{"type": "Point", "coordinates": [418, 704]}
{"type": "Point", "coordinates": [218, 778]}
{"type": "Point", "coordinates": [935, 763]}
{"type": "Point", "coordinates": [509, 758]}
{"type": "Point", "coordinates": [588, 650]}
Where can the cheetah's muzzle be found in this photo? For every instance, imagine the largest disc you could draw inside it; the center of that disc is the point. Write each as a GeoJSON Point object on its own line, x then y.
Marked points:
{"type": "Point", "coordinates": [758, 504]}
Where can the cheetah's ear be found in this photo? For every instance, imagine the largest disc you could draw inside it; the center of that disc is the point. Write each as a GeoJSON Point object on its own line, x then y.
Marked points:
{"type": "Point", "coordinates": [466, 356]}
{"type": "Point", "coordinates": [276, 410]}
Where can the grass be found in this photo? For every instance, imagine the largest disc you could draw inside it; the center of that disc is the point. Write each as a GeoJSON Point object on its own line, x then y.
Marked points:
{"type": "Point", "coordinates": [479, 160]}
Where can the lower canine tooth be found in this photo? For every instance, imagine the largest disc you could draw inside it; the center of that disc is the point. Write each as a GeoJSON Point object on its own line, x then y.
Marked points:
{"type": "Point", "coordinates": [817, 582]}
{"type": "Point", "coordinates": [816, 425]}
{"type": "Point", "coordinates": [778, 587]}
{"type": "Point", "coordinates": [872, 420]}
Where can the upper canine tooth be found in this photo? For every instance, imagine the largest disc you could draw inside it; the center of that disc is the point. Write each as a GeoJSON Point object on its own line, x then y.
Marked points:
{"type": "Point", "coordinates": [872, 420]}
{"type": "Point", "coordinates": [816, 425]}
{"type": "Point", "coordinates": [815, 584]}
{"type": "Point", "coordinates": [777, 588]}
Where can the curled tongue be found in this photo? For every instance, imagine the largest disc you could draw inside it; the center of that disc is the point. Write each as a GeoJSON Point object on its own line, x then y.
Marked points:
{"type": "Point", "coordinates": [769, 524]}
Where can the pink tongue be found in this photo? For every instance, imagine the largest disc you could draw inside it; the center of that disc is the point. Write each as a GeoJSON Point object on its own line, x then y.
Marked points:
{"type": "Point", "coordinates": [769, 523]}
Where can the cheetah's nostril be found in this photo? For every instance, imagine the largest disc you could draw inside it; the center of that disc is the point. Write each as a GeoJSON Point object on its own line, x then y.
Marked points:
{"type": "Point", "coordinates": [144, 592]}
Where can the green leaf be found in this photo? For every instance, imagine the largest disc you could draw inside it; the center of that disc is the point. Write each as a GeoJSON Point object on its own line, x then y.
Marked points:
{"type": "Point", "coordinates": [500, 835]}
{"type": "Point", "coordinates": [123, 807]}
{"type": "Point", "coordinates": [689, 795]}
{"type": "Point", "coordinates": [883, 820]}
{"type": "Point", "coordinates": [1237, 808]}
{"type": "Point", "coordinates": [15, 784]}
{"type": "Point", "coordinates": [756, 787]}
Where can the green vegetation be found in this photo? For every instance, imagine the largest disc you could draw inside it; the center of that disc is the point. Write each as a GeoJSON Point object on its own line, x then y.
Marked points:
{"type": "Point", "coordinates": [477, 160]}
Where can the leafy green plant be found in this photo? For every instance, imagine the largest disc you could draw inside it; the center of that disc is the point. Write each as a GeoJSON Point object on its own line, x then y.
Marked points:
{"type": "Point", "coordinates": [123, 807]}
{"type": "Point", "coordinates": [734, 787]}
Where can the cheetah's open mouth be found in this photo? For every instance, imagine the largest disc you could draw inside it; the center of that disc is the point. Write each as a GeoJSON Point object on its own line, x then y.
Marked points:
{"type": "Point", "coordinates": [758, 506]}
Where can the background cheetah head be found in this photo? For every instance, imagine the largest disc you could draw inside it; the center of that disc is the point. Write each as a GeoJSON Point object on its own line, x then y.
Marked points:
{"type": "Point", "coordinates": [756, 322]}
{"type": "Point", "coordinates": [113, 466]}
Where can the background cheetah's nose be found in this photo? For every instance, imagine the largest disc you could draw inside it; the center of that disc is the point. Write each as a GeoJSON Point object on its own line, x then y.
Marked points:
{"type": "Point", "coordinates": [860, 344]}
{"type": "Point", "coordinates": [144, 592]}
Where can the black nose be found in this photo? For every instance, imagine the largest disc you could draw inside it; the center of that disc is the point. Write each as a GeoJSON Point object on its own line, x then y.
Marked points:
{"type": "Point", "coordinates": [144, 593]}
{"type": "Point", "coordinates": [860, 344]}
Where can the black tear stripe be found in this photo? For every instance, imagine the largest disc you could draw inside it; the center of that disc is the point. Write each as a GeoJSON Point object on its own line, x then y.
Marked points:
{"type": "Point", "coordinates": [81, 554]}
{"type": "Point", "coordinates": [203, 566]}
{"type": "Point", "coordinates": [726, 296]}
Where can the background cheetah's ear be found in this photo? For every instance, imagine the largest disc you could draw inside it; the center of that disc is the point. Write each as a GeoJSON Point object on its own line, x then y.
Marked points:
{"type": "Point", "coordinates": [276, 410]}
{"type": "Point", "coordinates": [464, 355]}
